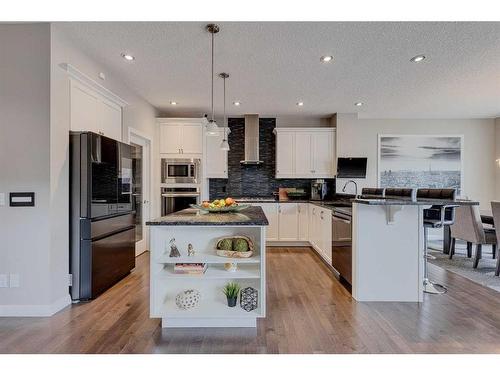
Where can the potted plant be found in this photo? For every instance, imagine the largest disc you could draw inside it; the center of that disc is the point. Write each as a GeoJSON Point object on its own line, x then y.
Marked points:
{"type": "Point", "coordinates": [231, 291]}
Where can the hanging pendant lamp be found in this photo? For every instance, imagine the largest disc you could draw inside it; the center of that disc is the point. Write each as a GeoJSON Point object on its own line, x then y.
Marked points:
{"type": "Point", "coordinates": [224, 145]}
{"type": "Point", "coordinates": [212, 128]}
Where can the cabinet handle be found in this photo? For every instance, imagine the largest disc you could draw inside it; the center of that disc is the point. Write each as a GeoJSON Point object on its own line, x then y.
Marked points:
{"type": "Point", "coordinates": [321, 215]}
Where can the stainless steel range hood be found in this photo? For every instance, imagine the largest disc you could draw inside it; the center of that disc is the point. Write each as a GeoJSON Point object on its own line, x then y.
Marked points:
{"type": "Point", "coordinates": [251, 140]}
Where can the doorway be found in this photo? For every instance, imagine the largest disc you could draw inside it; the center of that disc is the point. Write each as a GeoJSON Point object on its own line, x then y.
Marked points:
{"type": "Point", "coordinates": [141, 191]}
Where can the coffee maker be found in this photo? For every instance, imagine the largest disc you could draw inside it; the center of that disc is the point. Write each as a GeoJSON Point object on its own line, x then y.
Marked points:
{"type": "Point", "coordinates": [319, 190]}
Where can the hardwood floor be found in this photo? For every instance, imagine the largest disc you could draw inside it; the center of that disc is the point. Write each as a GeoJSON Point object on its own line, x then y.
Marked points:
{"type": "Point", "coordinates": [309, 311]}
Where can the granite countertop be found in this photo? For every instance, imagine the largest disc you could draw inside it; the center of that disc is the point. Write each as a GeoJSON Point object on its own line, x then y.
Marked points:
{"type": "Point", "coordinates": [249, 216]}
{"type": "Point", "coordinates": [408, 202]}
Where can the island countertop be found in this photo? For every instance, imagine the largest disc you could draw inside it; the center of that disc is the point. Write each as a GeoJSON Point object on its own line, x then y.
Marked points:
{"type": "Point", "coordinates": [191, 216]}
{"type": "Point", "coordinates": [393, 201]}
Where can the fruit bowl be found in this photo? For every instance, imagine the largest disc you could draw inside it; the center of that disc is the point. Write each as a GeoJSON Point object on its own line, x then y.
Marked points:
{"type": "Point", "coordinates": [232, 208]}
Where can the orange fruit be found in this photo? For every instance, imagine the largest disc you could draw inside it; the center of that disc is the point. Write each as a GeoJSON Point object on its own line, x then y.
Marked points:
{"type": "Point", "coordinates": [205, 204]}
{"type": "Point", "coordinates": [230, 201]}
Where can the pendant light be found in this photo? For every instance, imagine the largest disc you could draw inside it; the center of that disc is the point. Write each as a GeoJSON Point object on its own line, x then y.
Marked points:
{"type": "Point", "coordinates": [212, 128]}
{"type": "Point", "coordinates": [224, 145]}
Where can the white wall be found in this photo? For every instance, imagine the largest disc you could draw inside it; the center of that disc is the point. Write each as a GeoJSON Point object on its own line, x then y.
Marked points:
{"type": "Point", "coordinates": [34, 144]}
{"type": "Point", "coordinates": [138, 114]}
{"type": "Point", "coordinates": [359, 137]}
{"type": "Point", "coordinates": [24, 165]}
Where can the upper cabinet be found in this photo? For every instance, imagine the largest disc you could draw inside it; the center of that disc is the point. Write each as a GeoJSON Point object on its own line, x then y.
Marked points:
{"type": "Point", "coordinates": [93, 107]}
{"type": "Point", "coordinates": [215, 159]}
{"type": "Point", "coordinates": [181, 136]}
{"type": "Point", "coordinates": [305, 152]}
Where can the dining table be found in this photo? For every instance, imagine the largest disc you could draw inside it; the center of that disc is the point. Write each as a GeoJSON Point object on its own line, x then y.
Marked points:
{"type": "Point", "coordinates": [486, 218]}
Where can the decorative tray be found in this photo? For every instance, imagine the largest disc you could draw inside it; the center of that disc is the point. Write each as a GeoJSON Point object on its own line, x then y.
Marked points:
{"type": "Point", "coordinates": [232, 208]}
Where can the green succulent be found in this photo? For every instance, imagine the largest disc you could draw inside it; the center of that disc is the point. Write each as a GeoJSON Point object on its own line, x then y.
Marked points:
{"type": "Point", "coordinates": [225, 244]}
{"type": "Point", "coordinates": [231, 290]}
{"type": "Point", "coordinates": [240, 244]}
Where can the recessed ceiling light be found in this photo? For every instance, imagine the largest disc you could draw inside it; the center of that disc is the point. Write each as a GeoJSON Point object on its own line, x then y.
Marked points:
{"type": "Point", "coordinates": [128, 57]}
{"type": "Point", "coordinates": [358, 104]}
{"type": "Point", "coordinates": [173, 103]}
{"type": "Point", "coordinates": [326, 58]}
{"type": "Point", "coordinates": [236, 103]}
{"type": "Point", "coordinates": [300, 104]}
{"type": "Point", "coordinates": [417, 58]}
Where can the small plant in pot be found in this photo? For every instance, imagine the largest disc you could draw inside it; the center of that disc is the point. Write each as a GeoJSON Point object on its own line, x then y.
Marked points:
{"type": "Point", "coordinates": [231, 291]}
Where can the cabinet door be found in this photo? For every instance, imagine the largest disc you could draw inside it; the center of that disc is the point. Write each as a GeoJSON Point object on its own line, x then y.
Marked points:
{"type": "Point", "coordinates": [271, 211]}
{"type": "Point", "coordinates": [303, 221]}
{"type": "Point", "coordinates": [285, 154]}
{"type": "Point", "coordinates": [323, 158]}
{"type": "Point", "coordinates": [170, 139]}
{"type": "Point", "coordinates": [110, 119]}
{"type": "Point", "coordinates": [192, 139]}
{"type": "Point", "coordinates": [83, 109]}
{"type": "Point", "coordinates": [313, 224]}
{"type": "Point", "coordinates": [288, 220]}
{"type": "Point", "coordinates": [216, 159]}
{"type": "Point", "coordinates": [326, 234]}
{"type": "Point", "coordinates": [303, 154]}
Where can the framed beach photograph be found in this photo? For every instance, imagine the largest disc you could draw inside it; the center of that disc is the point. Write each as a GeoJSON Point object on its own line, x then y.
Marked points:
{"type": "Point", "coordinates": [420, 161]}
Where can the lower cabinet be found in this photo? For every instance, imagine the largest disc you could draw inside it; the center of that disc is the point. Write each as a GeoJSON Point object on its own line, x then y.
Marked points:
{"type": "Point", "coordinates": [288, 219]}
{"type": "Point", "coordinates": [290, 222]}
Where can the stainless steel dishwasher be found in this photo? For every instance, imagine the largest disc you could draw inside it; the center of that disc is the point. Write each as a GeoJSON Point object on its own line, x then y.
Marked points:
{"type": "Point", "coordinates": [342, 242]}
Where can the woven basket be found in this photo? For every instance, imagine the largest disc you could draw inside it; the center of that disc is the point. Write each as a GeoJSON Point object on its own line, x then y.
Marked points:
{"type": "Point", "coordinates": [236, 254]}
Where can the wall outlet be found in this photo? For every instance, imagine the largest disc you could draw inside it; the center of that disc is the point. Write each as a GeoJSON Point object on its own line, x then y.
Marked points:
{"type": "Point", "coordinates": [14, 280]}
{"type": "Point", "coordinates": [3, 281]}
{"type": "Point", "coordinates": [2, 199]}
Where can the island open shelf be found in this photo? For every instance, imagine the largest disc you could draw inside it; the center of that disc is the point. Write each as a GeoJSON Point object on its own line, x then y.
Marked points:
{"type": "Point", "coordinates": [202, 231]}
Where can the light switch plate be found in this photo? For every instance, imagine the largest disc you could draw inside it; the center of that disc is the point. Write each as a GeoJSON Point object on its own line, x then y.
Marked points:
{"type": "Point", "coordinates": [14, 280]}
{"type": "Point", "coordinates": [2, 199]}
{"type": "Point", "coordinates": [3, 281]}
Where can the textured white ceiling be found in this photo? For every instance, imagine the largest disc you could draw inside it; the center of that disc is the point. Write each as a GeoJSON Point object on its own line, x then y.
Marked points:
{"type": "Point", "coordinates": [274, 65]}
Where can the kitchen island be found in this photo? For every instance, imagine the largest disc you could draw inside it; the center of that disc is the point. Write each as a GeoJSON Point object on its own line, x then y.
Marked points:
{"type": "Point", "coordinates": [388, 248]}
{"type": "Point", "coordinates": [202, 231]}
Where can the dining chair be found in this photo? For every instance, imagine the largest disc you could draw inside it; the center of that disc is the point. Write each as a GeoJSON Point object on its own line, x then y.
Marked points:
{"type": "Point", "coordinates": [469, 227]}
{"type": "Point", "coordinates": [495, 208]}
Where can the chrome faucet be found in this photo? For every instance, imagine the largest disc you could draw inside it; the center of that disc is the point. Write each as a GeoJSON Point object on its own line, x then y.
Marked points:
{"type": "Point", "coordinates": [355, 185]}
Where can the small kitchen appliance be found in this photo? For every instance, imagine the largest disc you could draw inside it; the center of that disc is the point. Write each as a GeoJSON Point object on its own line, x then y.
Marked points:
{"type": "Point", "coordinates": [319, 190]}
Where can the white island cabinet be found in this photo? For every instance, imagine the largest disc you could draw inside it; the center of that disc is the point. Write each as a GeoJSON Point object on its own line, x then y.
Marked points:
{"type": "Point", "coordinates": [202, 231]}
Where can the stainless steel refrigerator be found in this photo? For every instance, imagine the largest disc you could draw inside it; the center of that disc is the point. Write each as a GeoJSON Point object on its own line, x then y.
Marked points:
{"type": "Point", "coordinates": [102, 218]}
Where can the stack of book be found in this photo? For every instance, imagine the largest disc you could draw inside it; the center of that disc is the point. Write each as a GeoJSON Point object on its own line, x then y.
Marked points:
{"type": "Point", "coordinates": [190, 268]}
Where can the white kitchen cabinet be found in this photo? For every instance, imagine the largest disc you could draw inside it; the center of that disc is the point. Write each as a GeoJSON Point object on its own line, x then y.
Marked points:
{"type": "Point", "coordinates": [323, 159]}
{"type": "Point", "coordinates": [288, 221]}
{"type": "Point", "coordinates": [305, 152]}
{"type": "Point", "coordinates": [285, 154]}
{"type": "Point", "coordinates": [303, 213]}
{"type": "Point", "coordinates": [90, 111]}
{"type": "Point", "coordinates": [320, 231]}
{"type": "Point", "coordinates": [170, 139]}
{"type": "Point", "coordinates": [181, 137]}
{"type": "Point", "coordinates": [271, 212]}
{"type": "Point", "coordinates": [325, 234]}
{"type": "Point", "coordinates": [215, 159]}
{"type": "Point", "coordinates": [313, 224]}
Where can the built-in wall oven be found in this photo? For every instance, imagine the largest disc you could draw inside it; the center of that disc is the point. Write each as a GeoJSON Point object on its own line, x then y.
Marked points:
{"type": "Point", "coordinates": [178, 198]}
{"type": "Point", "coordinates": [342, 242]}
{"type": "Point", "coordinates": [184, 171]}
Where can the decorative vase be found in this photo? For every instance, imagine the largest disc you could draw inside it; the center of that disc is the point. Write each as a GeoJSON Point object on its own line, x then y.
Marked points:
{"type": "Point", "coordinates": [188, 299]}
{"type": "Point", "coordinates": [231, 301]}
{"type": "Point", "coordinates": [248, 299]}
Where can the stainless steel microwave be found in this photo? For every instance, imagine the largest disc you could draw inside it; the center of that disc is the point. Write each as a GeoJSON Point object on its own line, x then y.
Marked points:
{"type": "Point", "coordinates": [183, 171]}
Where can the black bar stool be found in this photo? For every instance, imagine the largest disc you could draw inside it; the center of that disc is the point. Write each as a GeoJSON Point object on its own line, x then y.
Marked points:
{"type": "Point", "coordinates": [437, 216]}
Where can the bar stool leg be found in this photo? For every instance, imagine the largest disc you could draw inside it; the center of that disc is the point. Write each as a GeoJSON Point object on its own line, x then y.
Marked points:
{"type": "Point", "coordinates": [429, 286]}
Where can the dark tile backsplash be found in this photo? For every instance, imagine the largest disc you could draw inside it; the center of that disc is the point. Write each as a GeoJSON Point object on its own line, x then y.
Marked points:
{"type": "Point", "coordinates": [252, 180]}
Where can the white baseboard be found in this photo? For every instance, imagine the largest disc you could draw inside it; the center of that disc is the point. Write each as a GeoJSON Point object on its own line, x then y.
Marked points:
{"type": "Point", "coordinates": [35, 310]}
{"type": "Point", "coordinates": [288, 243]}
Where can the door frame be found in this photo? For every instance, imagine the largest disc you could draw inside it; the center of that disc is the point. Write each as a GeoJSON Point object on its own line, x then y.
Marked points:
{"type": "Point", "coordinates": [137, 137]}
